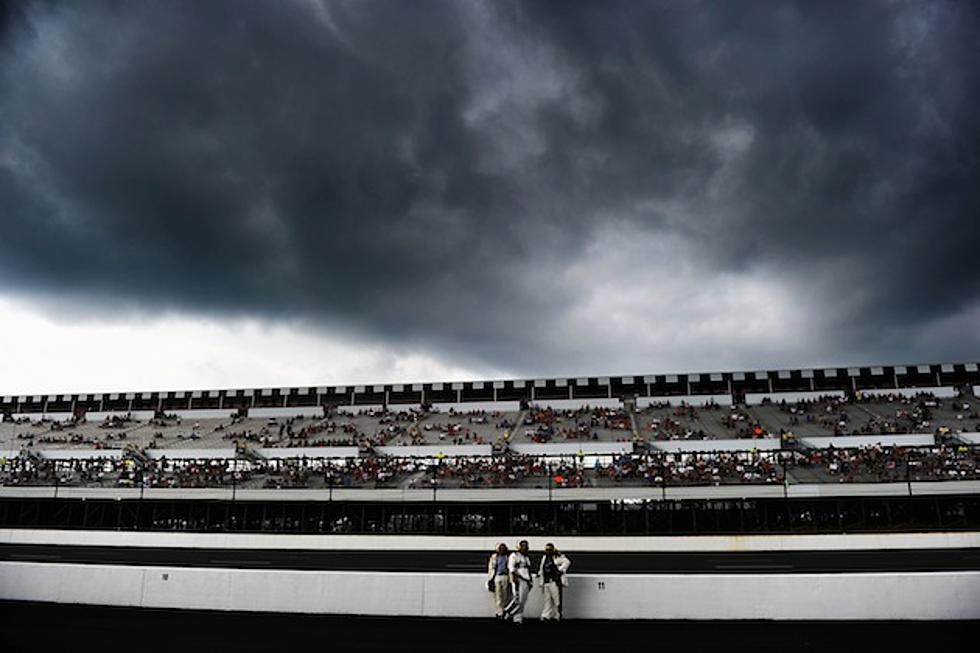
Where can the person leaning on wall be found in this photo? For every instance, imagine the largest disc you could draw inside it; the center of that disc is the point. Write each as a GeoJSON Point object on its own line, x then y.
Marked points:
{"type": "Point", "coordinates": [553, 572]}
{"type": "Point", "coordinates": [498, 579]}
{"type": "Point", "coordinates": [519, 568]}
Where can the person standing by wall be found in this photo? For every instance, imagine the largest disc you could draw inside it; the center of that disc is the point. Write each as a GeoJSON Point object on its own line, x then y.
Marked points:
{"type": "Point", "coordinates": [553, 569]}
{"type": "Point", "coordinates": [519, 569]}
{"type": "Point", "coordinates": [498, 579]}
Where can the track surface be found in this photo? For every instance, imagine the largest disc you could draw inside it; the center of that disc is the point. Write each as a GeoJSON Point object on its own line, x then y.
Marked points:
{"type": "Point", "coordinates": [49, 627]}
{"type": "Point", "coordinates": [771, 562]}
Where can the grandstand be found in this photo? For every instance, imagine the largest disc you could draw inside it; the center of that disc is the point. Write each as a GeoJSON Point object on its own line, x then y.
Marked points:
{"type": "Point", "coordinates": [878, 424]}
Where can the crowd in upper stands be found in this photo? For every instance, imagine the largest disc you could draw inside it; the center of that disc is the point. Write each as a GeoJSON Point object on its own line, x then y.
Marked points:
{"type": "Point", "coordinates": [367, 429]}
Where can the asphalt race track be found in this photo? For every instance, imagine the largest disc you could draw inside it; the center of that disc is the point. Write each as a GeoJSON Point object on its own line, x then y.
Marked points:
{"type": "Point", "coordinates": [50, 627]}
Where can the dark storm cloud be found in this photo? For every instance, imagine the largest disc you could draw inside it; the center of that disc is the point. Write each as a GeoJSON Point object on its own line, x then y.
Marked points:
{"type": "Point", "coordinates": [426, 172]}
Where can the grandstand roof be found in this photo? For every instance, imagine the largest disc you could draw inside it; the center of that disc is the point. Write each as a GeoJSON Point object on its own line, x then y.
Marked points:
{"type": "Point", "coordinates": [697, 384]}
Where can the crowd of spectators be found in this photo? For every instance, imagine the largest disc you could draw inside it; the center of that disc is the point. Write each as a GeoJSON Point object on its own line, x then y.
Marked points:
{"type": "Point", "coordinates": [545, 424]}
{"type": "Point", "coordinates": [875, 413]}
{"type": "Point", "coordinates": [878, 464]}
{"type": "Point", "coordinates": [720, 468]}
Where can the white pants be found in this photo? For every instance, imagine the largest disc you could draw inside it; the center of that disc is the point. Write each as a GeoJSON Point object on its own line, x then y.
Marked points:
{"type": "Point", "coordinates": [552, 601]}
{"type": "Point", "coordinates": [515, 609]}
{"type": "Point", "coordinates": [501, 593]}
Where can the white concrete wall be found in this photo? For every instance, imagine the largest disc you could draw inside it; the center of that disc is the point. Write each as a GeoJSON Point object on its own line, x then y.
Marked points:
{"type": "Point", "coordinates": [569, 544]}
{"type": "Point", "coordinates": [190, 454]}
{"type": "Point", "coordinates": [79, 454]}
{"type": "Point", "coordinates": [925, 488]}
{"type": "Point", "coordinates": [969, 438]}
{"type": "Point", "coordinates": [285, 412]}
{"type": "Point", "coordinates": [689, 446]}
{"type": "Point", "coordinates": [571, 448]}
{"type": "Point", "coordinates": [856, 441]}
{"type": "Point", "coordinates": [308, 452]}
{"type": "Point", "coordinates": [435, 450]}
{"type": "Point", "coordinates": [934, 595]}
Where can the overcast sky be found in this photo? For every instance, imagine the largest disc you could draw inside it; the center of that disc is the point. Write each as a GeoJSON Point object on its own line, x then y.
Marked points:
{"type": "Point", "coordinates": [244, 193]}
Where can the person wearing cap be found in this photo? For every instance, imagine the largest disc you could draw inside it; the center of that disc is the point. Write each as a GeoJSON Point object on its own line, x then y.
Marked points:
{"type": "Point", "coordinates": [552, 570]}
{"type": "Point", "coordinates": [519, 570]}
{"type": "Point", "coordinates": [498, 579]}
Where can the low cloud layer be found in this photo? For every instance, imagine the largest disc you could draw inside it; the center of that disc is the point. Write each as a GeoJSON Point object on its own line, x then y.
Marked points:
{"type": "Point", "coordinates": [531, 187]}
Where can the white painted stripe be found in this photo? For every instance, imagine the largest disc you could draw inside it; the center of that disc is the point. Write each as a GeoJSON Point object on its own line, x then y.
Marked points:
{"type": "Point", "coordinates": [719, 543]}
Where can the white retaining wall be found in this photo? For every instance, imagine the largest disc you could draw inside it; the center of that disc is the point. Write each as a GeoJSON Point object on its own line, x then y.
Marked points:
{"type": "Point", "coordinates": [934, 595]}
{"type": "Point", "coordinates": [693, 446]}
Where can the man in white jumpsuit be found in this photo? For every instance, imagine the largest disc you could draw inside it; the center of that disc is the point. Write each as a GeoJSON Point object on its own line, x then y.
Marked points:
{"type": "Point", "coordinates": [552, 570]}
{"type": "Point", "coordinates": [519, 568]}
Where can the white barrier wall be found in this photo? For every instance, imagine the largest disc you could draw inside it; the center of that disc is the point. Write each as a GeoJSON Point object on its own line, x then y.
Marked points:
{"type": "Point", "coordinates": [933, 595]}
{"type": "Point", "coordinates": [969, 438]}
{"type": "Point", "coordinates": [572, 448]}
{"type": "Point", "coordinates": [435, 450]}
{"type": "Point", "coordinates": [80, 454]}
{"type": "Point", "coordinates": [190, 454]}
{"type": "Point", "coordinates": [918, 488]}
{"type": "Point", "coordinates": [857, 441]}
{"type": "Point", "coordinates": [688, 446]}
{"type": "Point", "coordinates": [308, 452]}
{"type": "Point", "coordinates": [286, 412]}
{"type": "Point", "coordinates": [570, 544]}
